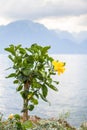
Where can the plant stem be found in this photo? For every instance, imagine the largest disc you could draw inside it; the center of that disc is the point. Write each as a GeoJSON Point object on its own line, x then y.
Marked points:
{"type": "Point", "coordinates": [25, 113]}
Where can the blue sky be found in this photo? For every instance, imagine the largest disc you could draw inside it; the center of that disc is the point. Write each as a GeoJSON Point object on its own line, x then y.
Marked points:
{"type": "Point", "coordinates": [67, 15]}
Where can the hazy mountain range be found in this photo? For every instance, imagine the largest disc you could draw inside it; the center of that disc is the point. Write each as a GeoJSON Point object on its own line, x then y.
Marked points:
{"type": "Point", "coordinates": [26, 32]}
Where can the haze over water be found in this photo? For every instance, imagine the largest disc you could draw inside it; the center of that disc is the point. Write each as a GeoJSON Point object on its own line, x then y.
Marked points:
{"type": "Point", "coordinates": [71, 97]}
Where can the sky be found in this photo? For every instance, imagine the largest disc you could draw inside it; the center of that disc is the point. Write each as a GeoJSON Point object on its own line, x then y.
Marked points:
{"type": "Point", "coordinates": [65, 15]}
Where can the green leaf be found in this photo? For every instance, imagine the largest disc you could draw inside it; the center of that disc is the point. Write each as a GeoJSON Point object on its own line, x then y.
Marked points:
{"type": "Point", "coordinates": [36, 94]}
{"type": "Point", "coordinates": [56, 82]}
{"type": "Point", "coordinates": [45, 49]}
{"type": "Point", "coordinates": [18, 60]}
{"type": "Point", "coordinates": [24, 94]}
{"type": "Point", "coordinates": [52, 73]}
{"type": "Point", "coordinates": [35, 101]}
{"type": "Point", "coordinates": [50, 59]}
{"type": "Point", "coordinates": [11, 58]}
{"type": "Point", "coordinates": [22, 50]}
{"type": "Point", "coordinates": [19, 88]}
{"type": "Point", "coordinates": [49, 80]}
{"type": "Point", "coordinates": [44, 90]}
{"type": "Point", "coordinates": [17, 47]}
{"type": "Point", "coordinates": [11, 75]}
{"type": "Point", "coordinates": [11, 49]}
{"type": "Point", "coordinates": [43, 98]}
{"type": "Point", "coordinates": [27, 124]}
{"type": "Point", "coordinates": [15, 82]}
{"type": "Point", "coordinates": [30, 107]}
{"type": "Point", "coordinates": [53, 87]}
{"type": "Point", "coordinates": [22, 78]}
{"type": "Point", "coordinates": [30, 59]}
{"type": "Point", "coordinates": [17, 116]}
{"type": "Point", "coordinates": [9, 68]}
{"type": "Point", "coordinates": [26, 72]}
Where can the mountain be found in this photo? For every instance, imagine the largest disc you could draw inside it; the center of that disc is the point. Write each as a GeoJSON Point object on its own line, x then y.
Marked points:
{"type": "Point", "coordinates": [26, 32]}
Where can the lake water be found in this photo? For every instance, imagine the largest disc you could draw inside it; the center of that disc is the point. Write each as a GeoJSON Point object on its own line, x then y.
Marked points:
{"type": "Point", "coordinates": [71, 97]}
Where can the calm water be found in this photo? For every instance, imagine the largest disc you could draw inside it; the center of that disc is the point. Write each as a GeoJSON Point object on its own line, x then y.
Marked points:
{"type": "Point", "coordinates": [71, 97]}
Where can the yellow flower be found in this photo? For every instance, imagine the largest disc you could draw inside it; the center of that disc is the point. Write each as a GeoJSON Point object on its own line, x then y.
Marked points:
{"type": "Point", "coordinates": [58, 66]}
{"type": "Point", "coordinates": [11, 116]}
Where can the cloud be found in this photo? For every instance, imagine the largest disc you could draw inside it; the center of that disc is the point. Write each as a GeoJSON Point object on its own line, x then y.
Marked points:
{"type": "Point", "coordinates": [83, 21]}
{"type": "Point", "coordinates": [38, 9]}
{"type": "Point", "coordinates": [67, 11]}
{"type": "Point", "coordinates": [66, 23]}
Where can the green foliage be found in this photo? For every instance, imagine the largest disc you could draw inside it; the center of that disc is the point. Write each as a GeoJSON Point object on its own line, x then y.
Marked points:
{"type": "Point", "coordinates": [35, 66]}
{"type": "Point", "coordinates": [28, 125]}
{"type": "Point", "coordinates": [52, 125]}
{"type": "Point", "coordinates": [15, 124]}
{"type": "Point", "coordinates": [83, 126]}
{"type": "Point", "coordinates": [64, 115]}
{"type": "Point", "coordinates": [33, 72]}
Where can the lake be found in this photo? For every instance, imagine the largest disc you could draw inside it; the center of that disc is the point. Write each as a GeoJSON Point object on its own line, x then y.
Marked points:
{"type": "Point", "coordinates": [71, 97]}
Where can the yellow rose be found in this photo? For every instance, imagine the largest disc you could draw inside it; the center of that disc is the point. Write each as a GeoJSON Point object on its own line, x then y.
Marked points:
{"type": "Point", "coordinates": [11, 116]}
{"type": "Point", "coordinates": [59, 67]}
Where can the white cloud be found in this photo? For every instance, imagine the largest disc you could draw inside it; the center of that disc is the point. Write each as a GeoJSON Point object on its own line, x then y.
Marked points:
{"type": "Point", "coordinates": [66, 13]}
{"type": "Point", "coordinates": [67, 23]}
{"type": "Point", "coordinates": [38, 8]}
{"type": "Point", "coordinates": [4, 21]}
